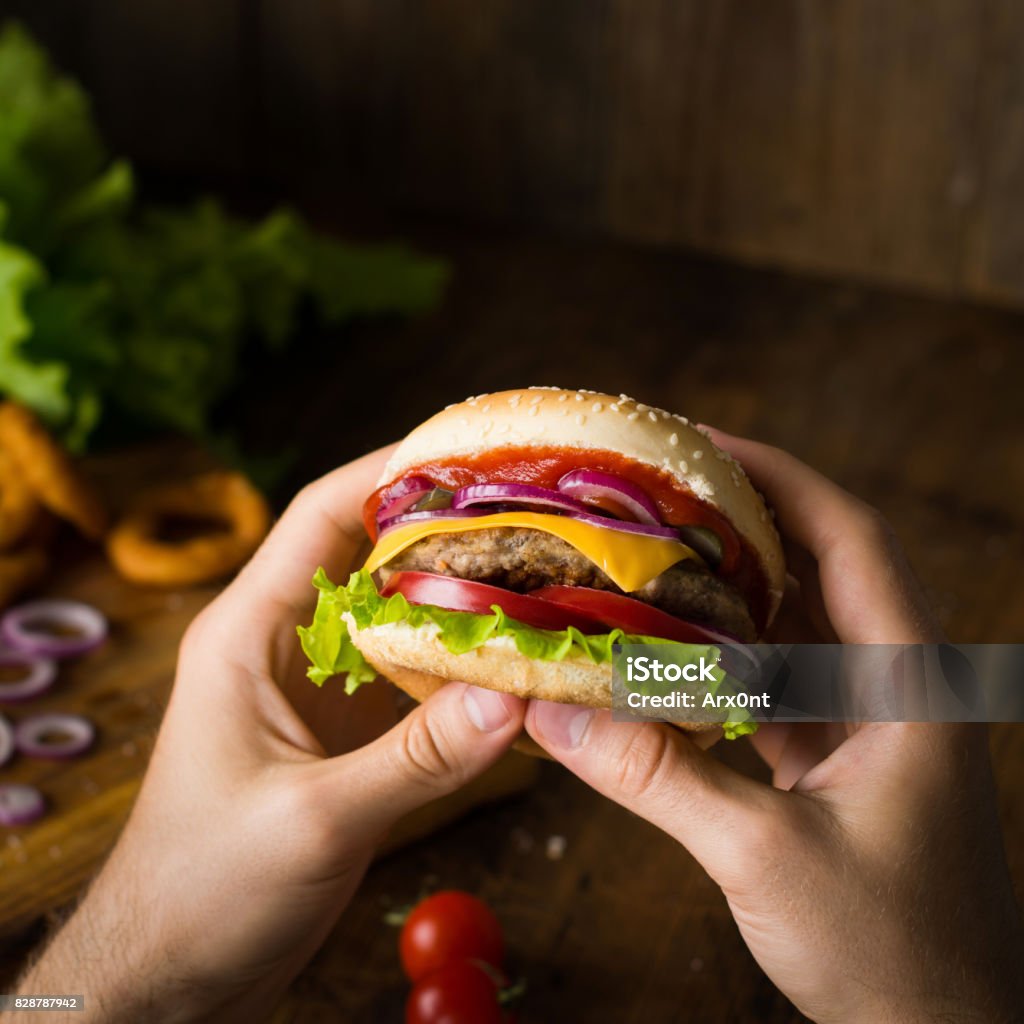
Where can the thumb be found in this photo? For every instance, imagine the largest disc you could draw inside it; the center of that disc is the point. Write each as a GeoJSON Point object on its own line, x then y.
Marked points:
{"type": "Point", "coordinates": [660, 774]}
{"type": "Point", "coordinates": [439, 746]}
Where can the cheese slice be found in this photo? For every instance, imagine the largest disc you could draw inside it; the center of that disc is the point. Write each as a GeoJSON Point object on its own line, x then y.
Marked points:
{"type": "Point", "coordinates": [630, 560]}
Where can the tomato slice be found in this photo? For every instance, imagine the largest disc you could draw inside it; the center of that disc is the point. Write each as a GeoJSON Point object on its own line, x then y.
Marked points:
{"type": "Point", "coordinates": [469, 596]}
{"type": "Point", "coordinates": [627, 613]}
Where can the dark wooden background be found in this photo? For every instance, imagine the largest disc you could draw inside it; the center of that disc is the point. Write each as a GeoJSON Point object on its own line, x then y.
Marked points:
{"type": "Point", "coordinates": [529, 144]}
{"type": "Point", "coordinates": [875, 139]}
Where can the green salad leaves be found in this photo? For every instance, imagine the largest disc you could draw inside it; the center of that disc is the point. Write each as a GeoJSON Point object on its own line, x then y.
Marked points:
{"type": "Point", "coordinates": [112, 308]}
{"type": "Point", "coordinates": [331, 652]}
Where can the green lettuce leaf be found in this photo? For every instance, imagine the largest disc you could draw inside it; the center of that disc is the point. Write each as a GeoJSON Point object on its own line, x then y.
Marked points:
{"type": "Point", "coordinates": [118, 314]}
{"type": "Point", "coordinates": [331, 652]}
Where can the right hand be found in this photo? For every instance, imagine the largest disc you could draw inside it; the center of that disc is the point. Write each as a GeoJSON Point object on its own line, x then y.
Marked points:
{"type": "Point", "coordinates": [870, 881]}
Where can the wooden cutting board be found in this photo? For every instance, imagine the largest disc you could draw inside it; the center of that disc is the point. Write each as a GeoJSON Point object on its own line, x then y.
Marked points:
{"type": "Point", "coordinates": [123, 688]}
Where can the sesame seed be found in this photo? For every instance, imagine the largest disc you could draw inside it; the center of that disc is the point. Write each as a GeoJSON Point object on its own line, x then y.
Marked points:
{"type": "Point", "coordinates": [665, 415]}
{"type": "Point", "coordinates": [581, 419]}
{"type": "Point", "coordinates": [698, 454]}
{"type": "Point", "coordinates": [684, 466]}
{"type": "Point", "coordinates": [486, 407]}
{"type": "Point", "coordinates": [666, 461]}
{"type": "Point", "coordinates": [464, 420]}
{"type": "Point", "coordinates": [579, 396]}
{"type": "Point", "coordinates": [625, 398]}
{"type": "Point", "coordinates": [652, 416]}
{"type": "Point", "coordinates": [597, 407]}
{"type": "Point", "coordinates": [536, 400]}
{"type": "Point", "coordinates": [673, 439]}
{"type": "Point", "coordinates": [532, 411]}
{"type": "Point", "coordinates": [514, 400]}
{"type": "Point", "coordinates": [563, 397]}
{"type": "Point", "coordinates": [640, 407]}
{"type": "Point", "coordinates": [633, 416]}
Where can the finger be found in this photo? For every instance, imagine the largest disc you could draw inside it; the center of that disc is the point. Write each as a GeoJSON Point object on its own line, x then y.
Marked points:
{"type": "Point", "coordinates": [656, 772]}
{"type": "Point", "coordinates": [800, 619]}
{"type": "Point", "coordinates": [867, 586]}
{"type": "Point", "coordinates": [322, 526]}
{"type": "Point", "coordinates": [778, 742]}
{"type": "Point", "coordinates": [257, 614]}
{"type": "Point", "coordinates": [448, 740]}
{"type": "Point", "coordinates": [804, 569]}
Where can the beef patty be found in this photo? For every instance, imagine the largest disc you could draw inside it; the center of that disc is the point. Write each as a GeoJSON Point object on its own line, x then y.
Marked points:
{"type": "Point", "coordinates": [523, 560]}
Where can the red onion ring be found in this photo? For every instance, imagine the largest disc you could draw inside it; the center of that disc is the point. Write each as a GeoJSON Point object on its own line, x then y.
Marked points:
{"type": "Point", "coordinates": [29, 733]}
{"type": "Point", "coordinates": [590, 483]}
{"type": "Point", "coordinates": [88, 628]}
{"type": "Point", "coordinates": [399, 505]}
{"type": "Point", "coordinates": [39, 677]}
{"type": "Point", "coordinates": [440, 513]}
{"type": "Point", "coordinates": [641, 529]}
{"type": "Point", "coordinates": [20, 804]}
{"type": "Point", "coordinates": [6, 741]}
{"type": "Point", "coordinates": [401, 495]}
{"type": "Point", "coordinates": [520, 494]}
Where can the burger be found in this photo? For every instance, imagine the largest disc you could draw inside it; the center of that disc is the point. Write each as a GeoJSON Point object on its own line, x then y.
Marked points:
{"type": "Point", "coordinates": [518, 536]}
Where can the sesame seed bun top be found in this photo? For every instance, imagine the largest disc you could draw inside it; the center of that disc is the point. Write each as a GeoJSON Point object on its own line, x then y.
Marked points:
{"type": "Point", "coordinates": [553, 417]}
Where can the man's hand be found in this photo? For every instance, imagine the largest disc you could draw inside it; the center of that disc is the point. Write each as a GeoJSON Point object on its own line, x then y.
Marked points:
{"type": "Point", "coordinates": [265, 796]}
{"type": "Point", "coordinates": [870, 883]}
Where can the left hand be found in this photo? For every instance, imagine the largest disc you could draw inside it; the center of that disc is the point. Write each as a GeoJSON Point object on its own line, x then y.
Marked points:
{"type": "Point", "coordinates": [265, 796]}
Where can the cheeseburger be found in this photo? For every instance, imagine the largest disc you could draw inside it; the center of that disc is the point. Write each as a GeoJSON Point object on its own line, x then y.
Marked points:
{"type": "Point", "coordinates": [518, 536]}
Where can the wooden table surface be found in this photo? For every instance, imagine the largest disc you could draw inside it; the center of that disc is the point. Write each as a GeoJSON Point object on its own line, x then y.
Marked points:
{"type": "Point", "coordinates": [912, 403]}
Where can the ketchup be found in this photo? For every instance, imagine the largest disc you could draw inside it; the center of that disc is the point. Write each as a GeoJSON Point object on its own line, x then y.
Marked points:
{"type": "Point", "coordinates": [545, 466]}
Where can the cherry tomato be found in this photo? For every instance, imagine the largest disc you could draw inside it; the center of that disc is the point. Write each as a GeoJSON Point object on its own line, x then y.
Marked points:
{"type": "Point", "coordinates": [448, 927]}
{"type": "Point", "coordinates": [469, 596]}
{"type": "Point", "coordinates": [462, 992]}
{"type": "Point", "coordinates": [627, 613]}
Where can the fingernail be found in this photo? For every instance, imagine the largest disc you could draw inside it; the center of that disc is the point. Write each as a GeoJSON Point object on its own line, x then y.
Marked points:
{"type": "Point", "coordinates": [562, 725]}
{"type": "Point", "coordinates": [486, 709]}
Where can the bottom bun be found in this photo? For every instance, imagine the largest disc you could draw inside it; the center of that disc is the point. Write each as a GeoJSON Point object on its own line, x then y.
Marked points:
{"type": "Point", "coordinates": [416, 661]}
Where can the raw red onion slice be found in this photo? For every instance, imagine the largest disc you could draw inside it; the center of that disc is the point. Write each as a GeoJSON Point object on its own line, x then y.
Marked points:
{"type": "Point", "coordinates": [407, 485]}
{"type": "Point", "coordinates": [592, 484]}
{"type": "Point", "coordinates": [417, 517]}
{"type": "Point", "coordinates": [20, 804]}
{"type": "Point", "coordinates": [641, 529]}
{"type": "Point", "coordinates": [6, 741]}
{"type": "Point", "coordinates": [78, 732]}
{"type": "Point", "coordinates": [400, 505]}
{"type": "Point", "coordinates": [519, 494]}
{"type": "Point", "coordinates": [38, 675]}
{"type": "Point", "coordinates": [30, 628]}
{"type": "Point", "coordinates": [402, 495]}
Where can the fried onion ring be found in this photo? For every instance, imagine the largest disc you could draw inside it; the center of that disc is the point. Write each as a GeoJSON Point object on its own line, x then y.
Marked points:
{"type": "Point", "coordinates": [19, 508]}
{"type": "Point", "coordinates": [49, 472]}
{"type": "Point", "coordinates": [141, 554]}
{"type": "Point", "coordinates": [20, 569]}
